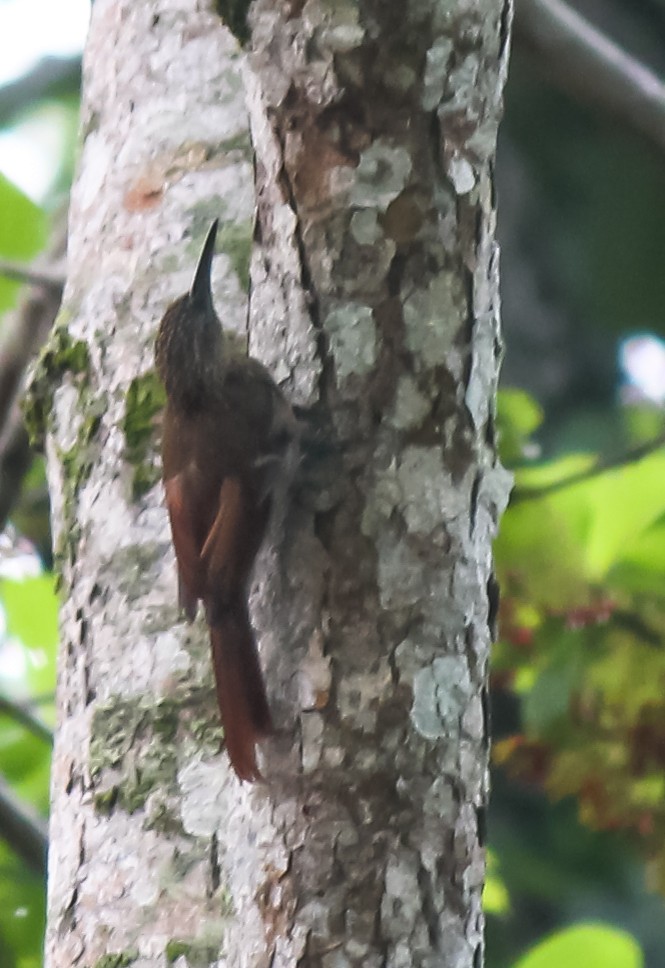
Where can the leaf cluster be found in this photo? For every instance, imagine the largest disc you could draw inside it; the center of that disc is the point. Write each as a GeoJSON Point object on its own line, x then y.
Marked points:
{"type": "Point", "coordinates": [581, 558]}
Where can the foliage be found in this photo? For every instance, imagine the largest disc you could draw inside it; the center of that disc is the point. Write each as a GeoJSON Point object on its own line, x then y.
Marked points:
{"type": "Point", "coordinates": [22, 913]}
{"type": "Point", "coordinates": [22, 234]}
{"type": "Point", "coordinates": [585, 946]}
{"type": "Point", "coordinates": [27, 669]}
{"type": "Point", "coordinates": [582, 625]}
{"type": "Point", "coordinates": [495, 896]}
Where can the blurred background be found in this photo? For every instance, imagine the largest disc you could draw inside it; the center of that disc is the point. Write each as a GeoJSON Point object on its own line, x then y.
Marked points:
{"type": "Point", "coordinates": [577, 821]}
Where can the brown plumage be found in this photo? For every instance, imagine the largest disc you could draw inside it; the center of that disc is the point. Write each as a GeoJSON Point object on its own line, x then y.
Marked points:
{"type": "Point", "coordinates": [228, 431]}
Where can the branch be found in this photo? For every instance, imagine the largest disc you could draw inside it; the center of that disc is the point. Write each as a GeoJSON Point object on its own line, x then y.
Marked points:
{"type": "Point", "coordinates": [22, 335]}
{"type": "Point", "coordinates": [50, 77]}
{"type": "Point", "coordinates": [631, 456]}
{"type": "Point", "coordinates": [33, 275]}
{"type": "Point", "coordinates": [42, 698]}
{"type": "Point", "coordinates": [31, 322]}
{"type": "Point", "coordinates": [15, 461]}
{"type": "Point", "coordinates": [591, 66]}
{"type": "Point", "coordinates": [23, 714]}
{"type": "Point", "coordinates": [23, 830]}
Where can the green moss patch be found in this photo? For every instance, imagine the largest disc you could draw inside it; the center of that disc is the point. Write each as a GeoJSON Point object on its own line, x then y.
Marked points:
{"type": "Point", "coordinates": [59, 355]}
{"type": "Point", "coordinates": [122, 959]}
{"type": "Point", "coordinates": [145, 399]}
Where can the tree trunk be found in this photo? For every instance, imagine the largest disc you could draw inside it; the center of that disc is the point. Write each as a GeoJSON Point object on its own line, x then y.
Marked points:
{"type": "Point", "coordinates": [374, 301]}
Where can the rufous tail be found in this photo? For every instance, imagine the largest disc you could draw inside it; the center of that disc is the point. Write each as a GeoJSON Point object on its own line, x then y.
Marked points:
{"type": "Point", "coordinates": [241, 694]}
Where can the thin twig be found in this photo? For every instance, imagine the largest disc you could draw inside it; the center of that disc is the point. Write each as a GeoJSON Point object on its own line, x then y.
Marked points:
{"type": "Point", "coordinates": [588, 64]}
{"type": "Point", "coordinates": [43, 698]}
{"type": "Point", "coordinates": [15, 460]}
{"type": "Point", "coordinates": [23, 333]}
{"type": "Point", "coordinates": [28, 326]}
{"type": "Point", "coordinates": [33, 275]}
{"type": "Point", "coordinates": [600, 467]}
{"type": "Point", "coordinates": [49, 77]}
{"type": "Point", "coordinates": [23, 714]}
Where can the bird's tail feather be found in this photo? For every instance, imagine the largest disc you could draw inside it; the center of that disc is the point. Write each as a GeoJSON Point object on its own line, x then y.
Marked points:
{"type": "Point", "coordinates": [240, 690]}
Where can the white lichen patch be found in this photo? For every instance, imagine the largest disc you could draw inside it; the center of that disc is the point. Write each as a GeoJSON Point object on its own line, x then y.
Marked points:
{"type": "Point", "coordinates": [411, 406]}
{"type": "Point", "coordinates": [422, 490]}
{"type": "Point", "coordinates": [454, 948]}
{"type": "Point", "coordinates": [68, 419]}
{"type": "Point", "coordinates": [169, 656]}
{"type": "Point", "coordinates": [463, 80]}
{"type": "Point", "coordinates": [382, 501]}
{"type": "Point", "coordinates": [461, 174]}
{"type": "Point", "coordinates": [436, 72]}
{"type": "Point", "coordinates": [428, 496]}
{"type": "Point", "coordinates": [467, 582]}
{"type": "Point", "coordinates": [441, 609]}
{"type": "Point", "coordinates": [145, 884]}
{"type": "Point", "coordinates": [472, 772]}
{"type": "Point", "coordinates": [94, 167]}
{"type": "Point", "coordinates": [311, 740]}
{"type": "Point", "coordinates": [344, 38]}
{"type": "Point", "coordinates": [365, 226]}
{"type": "Point", "coordinates": [482, 377]}
{"type": "Point", "coordinates": [202, 787]}
{"type": "Point", "coordinates": [382, 173]}
{"type": "Point", "coordinates": [438, 801]}
{"type": "Point", "coordinates": [315, 675]}
{"type": "Point", "coordinates": [103, 506]}
{"type": "Point", "coordinates": [438, 692]}
{"type": "Point", "coordinates": [494, 493]}
{"type": "Point", "coordinates": [473, 720]}
{"type": "Point", "coordinates": [353, 341]}
{"type": "Point", "coordinates": [400, 904]}
{"type": "Point", "coordinates": [357, 693]}
{"type": "Point", "coordinates": [482, 142]}
{"type": "Point", "coordinates": [333, 756]}
{"type": "Point", "coordinates": [432, 317]}
{"type": "Point", "coordinates": [331, 14]}
{"type": "Point", "coordinates": [401, 573]}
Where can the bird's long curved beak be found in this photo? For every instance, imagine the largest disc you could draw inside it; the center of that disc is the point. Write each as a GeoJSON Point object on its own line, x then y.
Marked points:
{"type": "Point", "coordinates": [201, 292]}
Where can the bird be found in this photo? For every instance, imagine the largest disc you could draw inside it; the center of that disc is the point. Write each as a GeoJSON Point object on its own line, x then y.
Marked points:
{"type": "Point", "coordinates": [229, 440]}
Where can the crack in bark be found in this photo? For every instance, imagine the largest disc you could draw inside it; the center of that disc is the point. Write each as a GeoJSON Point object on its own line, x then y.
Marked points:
{"type": "Point", "coordinates": [215, 870]}
{"type": "Point", "coordinates": [429, 908]}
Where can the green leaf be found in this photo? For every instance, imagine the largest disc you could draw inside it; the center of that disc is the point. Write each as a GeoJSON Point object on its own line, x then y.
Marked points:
{"type": "Point", "coordinates": [519, 415]}
{"type": "Point", "coordinates": [541, 541]}
{"type": "Point", "coordinates": [537, 476]}
{"type": "Point", "coordinates": [585, 946]}
{"type": "Point", "coordinates": [625, 502]}
{"type": "Point", "coordinates": [24, 761]}
{"type": "Point", "coordinates": [22, 912]}
{"type": "Point", "coordinates": [546, 706]}
{"type": "Point", "coordinates": [22, 233]}
{"type": "Point", "coordinates": [642, 564]}
{"type": "Point", "coordinates": [642, 422]}
{"type": "Point", "coordinates": [31, 612]}
{"type": "Point", "coordinates": [31, 608]}
{"type": "Point", "coordinates": [574, 537]}
{"type": "Point", "coordinates": [495, 894]}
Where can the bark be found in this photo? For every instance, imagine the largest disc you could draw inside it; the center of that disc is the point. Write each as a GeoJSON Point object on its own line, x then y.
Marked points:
{"type": "Point", "coordinates": [374, 300]}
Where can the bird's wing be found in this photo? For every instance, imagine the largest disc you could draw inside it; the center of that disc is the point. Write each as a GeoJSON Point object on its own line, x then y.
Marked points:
{"type": "Point", "coordinates": [222, 552]}
{"type": "Point", "coordinates": [187, 552]}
